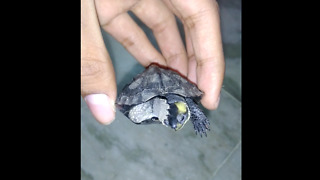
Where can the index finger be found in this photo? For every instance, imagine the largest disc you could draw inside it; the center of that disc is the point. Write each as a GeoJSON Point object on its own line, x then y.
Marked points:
{"type": "Point", "coordinates": [201, 19]}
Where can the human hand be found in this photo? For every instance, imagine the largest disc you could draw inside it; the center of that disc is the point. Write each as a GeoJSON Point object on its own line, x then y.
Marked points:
{"type": "Point", "coordinates": [202, 61]}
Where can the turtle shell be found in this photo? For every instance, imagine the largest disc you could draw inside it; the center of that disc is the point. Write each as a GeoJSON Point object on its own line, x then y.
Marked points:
{"type": "Point", "coordinates": [156, 81]}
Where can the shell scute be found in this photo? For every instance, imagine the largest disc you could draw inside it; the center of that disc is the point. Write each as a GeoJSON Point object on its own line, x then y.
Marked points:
{"type": "Point", "coordinates": [156, 81]}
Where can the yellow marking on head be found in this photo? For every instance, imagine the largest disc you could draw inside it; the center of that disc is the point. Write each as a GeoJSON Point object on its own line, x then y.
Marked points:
{"type": "Point", "coordinates": [179, 126]}
{"type": "Point", "coordinates": [182, 108]}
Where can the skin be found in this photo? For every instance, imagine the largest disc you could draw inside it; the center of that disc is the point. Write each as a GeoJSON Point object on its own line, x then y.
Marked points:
{"type": "Point", "coordinates": [202, 59]}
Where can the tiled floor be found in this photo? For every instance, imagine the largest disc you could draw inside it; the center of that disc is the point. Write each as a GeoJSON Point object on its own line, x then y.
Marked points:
{"type": "Point", "coordinates": [124, 150]}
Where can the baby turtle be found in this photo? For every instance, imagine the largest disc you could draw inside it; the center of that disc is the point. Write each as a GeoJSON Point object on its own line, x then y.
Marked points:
{"type": "Point", "coordinates": [160, 95]}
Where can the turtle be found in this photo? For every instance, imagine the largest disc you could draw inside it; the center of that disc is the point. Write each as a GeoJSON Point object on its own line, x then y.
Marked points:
{"type": "Point", "coordinates": [160, 95]}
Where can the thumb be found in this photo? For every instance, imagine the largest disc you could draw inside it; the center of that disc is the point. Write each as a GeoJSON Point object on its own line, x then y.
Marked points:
{"type": "Point", "coordinates": [98, 86]}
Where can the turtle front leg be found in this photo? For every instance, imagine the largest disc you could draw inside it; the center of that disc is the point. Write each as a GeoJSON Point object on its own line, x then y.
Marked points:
{"type": "Point", "coordinates": [199, 120]}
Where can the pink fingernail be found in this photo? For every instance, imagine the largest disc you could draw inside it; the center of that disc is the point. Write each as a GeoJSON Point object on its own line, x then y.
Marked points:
{"type": "Point", "coordinates": [102, 107]}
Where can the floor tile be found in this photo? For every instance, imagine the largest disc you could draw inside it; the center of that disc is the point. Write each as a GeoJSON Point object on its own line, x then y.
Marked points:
{"type": "Point", "coordinates": [124, 150]}
{"type": "Point", "coordinates": [231, 167]}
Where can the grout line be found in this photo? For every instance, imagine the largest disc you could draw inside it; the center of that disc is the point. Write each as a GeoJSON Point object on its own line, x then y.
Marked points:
{"type": "Point", "coordinates": [231, 95]}
{"type": "Point", "coordinates": [226, 159]}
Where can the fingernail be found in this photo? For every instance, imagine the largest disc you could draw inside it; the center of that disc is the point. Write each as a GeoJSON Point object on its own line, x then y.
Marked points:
{"type": "Point", "coordinates": [102, 107]}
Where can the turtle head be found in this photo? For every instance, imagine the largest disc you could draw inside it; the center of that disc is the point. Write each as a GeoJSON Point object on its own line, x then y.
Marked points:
{"type": "Point", "coordinates": [179, 114]}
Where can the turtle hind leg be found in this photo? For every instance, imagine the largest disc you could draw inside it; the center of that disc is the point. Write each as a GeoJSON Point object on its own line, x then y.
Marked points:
{"type": "Point", "coordinates": [199, 120]}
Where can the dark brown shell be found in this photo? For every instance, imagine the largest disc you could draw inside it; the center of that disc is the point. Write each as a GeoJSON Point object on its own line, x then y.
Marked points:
{"type": "Point", "coordinates": [156, 81]}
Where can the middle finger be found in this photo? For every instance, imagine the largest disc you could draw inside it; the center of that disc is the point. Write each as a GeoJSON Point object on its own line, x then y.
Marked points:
{"type": "Point", "coordinates": [161, 21]}
{"type": "Point", "coordinates": [130, 35]}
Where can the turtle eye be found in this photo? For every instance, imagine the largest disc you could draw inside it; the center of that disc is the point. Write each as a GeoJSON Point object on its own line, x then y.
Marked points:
{"type": "Point", "coordinates": [155, 119]}
{"type": "Point", "coordinates": [181, 117]}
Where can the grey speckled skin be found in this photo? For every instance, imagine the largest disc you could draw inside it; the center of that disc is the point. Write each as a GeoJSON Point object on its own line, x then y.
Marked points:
{"type": "Point", "coordinates": [199, 120]}
{"type": "Point", "coordinates": [156, 81]}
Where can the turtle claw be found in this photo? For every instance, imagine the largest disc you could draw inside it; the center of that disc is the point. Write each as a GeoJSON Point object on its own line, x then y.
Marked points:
{"type": "Point", "coordinates": [201, 127]}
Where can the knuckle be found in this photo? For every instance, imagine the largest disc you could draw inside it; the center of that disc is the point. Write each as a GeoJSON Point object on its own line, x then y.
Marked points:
{"type": "Point", "coordinates": [128, 42]}
{"type": "Point", "coordinates": [204, 61]}
{"type": "Point", "coordinates": [192, 58]}
{"type": "Point", "coordinates": [189, 22]}
{"type": "Point", "coordinates": [212, 61]}
{"type": "Point", "coordinates": [199, 17]}
{"type": "Point", "coordinates": [178, 57]}
{"type": "Point", "coordinates": [92, 67]}
{"type": "Point", "coordinates": [161, 25]}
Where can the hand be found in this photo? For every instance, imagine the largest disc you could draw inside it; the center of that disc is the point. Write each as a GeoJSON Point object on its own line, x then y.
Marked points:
{"type": "Point", "coordinates": [202, 61]}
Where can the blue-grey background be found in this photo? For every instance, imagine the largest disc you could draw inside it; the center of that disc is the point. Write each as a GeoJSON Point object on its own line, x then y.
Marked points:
{"type": "Point", "coordinates": [124, 150]}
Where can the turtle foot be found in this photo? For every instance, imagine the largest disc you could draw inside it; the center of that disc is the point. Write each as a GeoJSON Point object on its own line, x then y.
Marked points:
{"type": "Point", "coordinates": [200, 121]}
